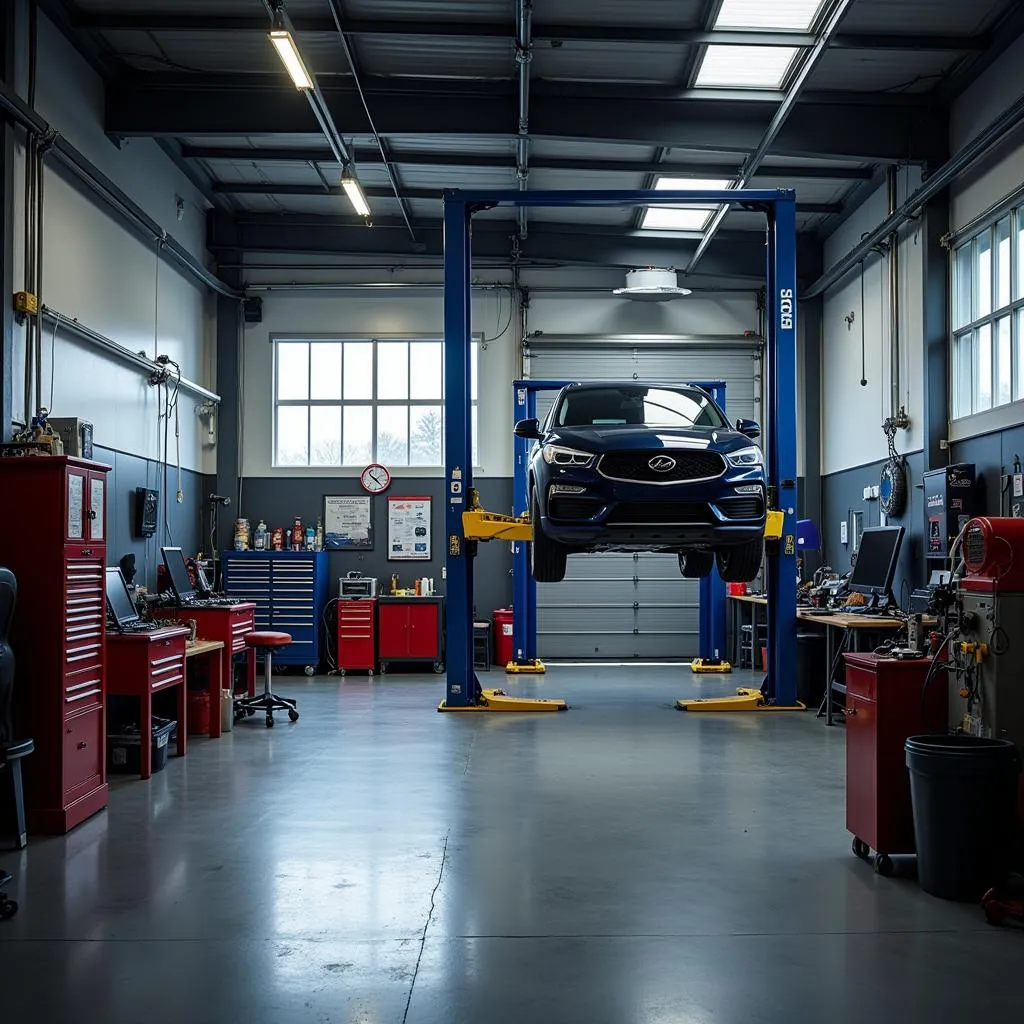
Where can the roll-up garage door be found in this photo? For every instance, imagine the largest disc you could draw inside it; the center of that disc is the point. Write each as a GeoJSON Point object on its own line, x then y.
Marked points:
{"type": "Point", "coordinates": [622, 606]}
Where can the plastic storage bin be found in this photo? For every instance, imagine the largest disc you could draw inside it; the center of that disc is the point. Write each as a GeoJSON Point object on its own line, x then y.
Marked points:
{"type": "Point", "coordinates": [124, 749]}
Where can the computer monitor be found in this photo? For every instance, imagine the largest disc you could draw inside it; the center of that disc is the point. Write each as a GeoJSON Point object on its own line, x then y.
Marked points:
{"type": "Point", "coordinates": [177, 573]}
{"type": "Point", "coordinates": [876, 561]}
{"type": "Point", "coordinates": [119, 600]}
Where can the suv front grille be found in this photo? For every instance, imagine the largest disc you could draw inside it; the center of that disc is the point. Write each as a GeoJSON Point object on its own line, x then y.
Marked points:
{"type": "Point", "coordinates": [634, 467]}
{"type": "Point", "coordinates": [741, 508]}
{"type": "Point", "coordinates": [659, 513]}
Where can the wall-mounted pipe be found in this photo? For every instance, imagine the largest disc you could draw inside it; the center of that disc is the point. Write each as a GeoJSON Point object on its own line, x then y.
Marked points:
{"type": "Point", "coordinates": [123, 355]}
{"type": "Point", "coordinates": [14, 109]}
{"type": "Point", "coordinates": [524, 55]}
{"type": "Point", "coordinates": [971, 153]}
{"type": "Point", "coordinates": [892, 185]}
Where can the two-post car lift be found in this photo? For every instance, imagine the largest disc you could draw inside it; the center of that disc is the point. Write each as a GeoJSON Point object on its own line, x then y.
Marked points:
{"type": "Point", "coordinates": [463, 690]}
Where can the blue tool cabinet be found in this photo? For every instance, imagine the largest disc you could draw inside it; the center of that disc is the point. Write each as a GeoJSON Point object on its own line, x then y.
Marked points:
{"type": "Point", "coordinates": [289, 589]}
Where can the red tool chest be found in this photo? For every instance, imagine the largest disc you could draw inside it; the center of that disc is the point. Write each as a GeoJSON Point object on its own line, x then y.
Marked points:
{"type": "Point", "coordinates": [883, 708]}
{"type": "Point", "coordinates": [357, 635]}
{"type": "Point", "coordinates": [410, 629]}
{"type": "Point", "coordinates": [53, 537]}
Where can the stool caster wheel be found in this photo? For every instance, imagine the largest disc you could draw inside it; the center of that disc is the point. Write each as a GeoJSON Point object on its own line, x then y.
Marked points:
{"type": "Point", "coordinates": [884, 866]}
{"type": "Point", "coordinates": [270, 721]}
{"type": "Point", "coordinates": [311, 670]}
{"type": "Point", "coordinates": [8, 908]}
{"type": "Point", "coordinates": [341, 672]}
{"type": "Point", "coordinates": [861, 849]}
{"type": "Point", "coordinates": [438, 667]}
{"type": "Point", "coordinates": [250, 712]}
{"type": "Point", "coordinates": [293, 715]}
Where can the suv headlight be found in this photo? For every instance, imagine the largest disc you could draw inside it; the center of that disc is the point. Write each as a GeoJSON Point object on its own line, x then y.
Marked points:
{"type": "Point", "coordinates": [746, 457]}
{"type": "Point", "coordinates": [555, 455]}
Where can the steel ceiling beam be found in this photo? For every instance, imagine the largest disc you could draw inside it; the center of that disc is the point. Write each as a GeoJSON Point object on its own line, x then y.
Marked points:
{"type": "Point", "coordinates": [862, 129]}
{"type": "Point", "coordinates": [364, 155]}
{"type": "Point", "coordinates": [260, 188]}
{"type": "Point", "coordinates": [114, 21]}
{"type": "Point", "coordinates": [735, 254]}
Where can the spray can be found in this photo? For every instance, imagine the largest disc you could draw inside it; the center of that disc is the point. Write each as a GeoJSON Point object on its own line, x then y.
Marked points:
{"type": "Point", "coordinates": [297, 534]}
{"type": "Point", "coordinates": [310, 538]}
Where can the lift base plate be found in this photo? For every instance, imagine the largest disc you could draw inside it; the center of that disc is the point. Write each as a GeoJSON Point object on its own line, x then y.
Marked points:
{"type": "Point", "coordinates": [515, 668]}
{"type": "Point", "coordinates": [498, 700]}
{"type": "Point", "coordinates": [746, 699]}
{"type": "Point", "coordinates": [702, 665]}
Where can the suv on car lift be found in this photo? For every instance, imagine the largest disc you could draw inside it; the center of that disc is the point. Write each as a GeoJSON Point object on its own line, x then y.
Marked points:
{"type": "Point", "coordinates": [645, 467]}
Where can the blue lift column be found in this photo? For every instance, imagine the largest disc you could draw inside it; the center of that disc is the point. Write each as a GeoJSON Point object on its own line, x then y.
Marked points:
{"type": "Point", "coordinates": [780, 684]}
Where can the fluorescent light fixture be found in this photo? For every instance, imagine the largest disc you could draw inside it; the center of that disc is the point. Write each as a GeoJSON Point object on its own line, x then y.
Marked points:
{"type": "Point", "coordinates": [745, 67]}
{"type": "Point", "coordinates": [355, 193]}
{"type": "Point", "coordinates": [682, 218]}
{"type": "Point", "coordinates": [284, 43]}
{"type": "Point", "coordinates": [783, 15]}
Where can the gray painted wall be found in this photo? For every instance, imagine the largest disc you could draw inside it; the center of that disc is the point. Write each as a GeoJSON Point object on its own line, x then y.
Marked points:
{"type": "Point", "coordinates": [843, 493]}
{"type": "Point", "coordinates": [186, 529]}
{"type": "Point", "coordinates": [280, 501]}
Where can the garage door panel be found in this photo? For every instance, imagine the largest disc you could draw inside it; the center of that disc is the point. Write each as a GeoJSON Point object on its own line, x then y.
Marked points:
{"type": "Point", "coordinates": [592, 614]}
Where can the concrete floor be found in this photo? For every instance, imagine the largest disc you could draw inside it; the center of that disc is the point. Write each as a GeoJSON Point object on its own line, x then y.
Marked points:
{"type": "Point", "coordinates": [377, 862]}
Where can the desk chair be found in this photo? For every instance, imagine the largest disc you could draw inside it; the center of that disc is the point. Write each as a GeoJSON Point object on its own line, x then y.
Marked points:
{"type": "Point", "coordinates": [268, 701]}
{"type": "Point", "coordinates": [11, 750]}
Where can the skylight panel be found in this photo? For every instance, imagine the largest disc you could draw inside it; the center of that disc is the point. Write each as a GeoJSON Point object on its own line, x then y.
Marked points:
{"type": "Point", "coordinates": [682, 218]}
{"type": "Point", "coordinates": [782, 15]}
{"type": "Point", "coordinates": [745, 67]}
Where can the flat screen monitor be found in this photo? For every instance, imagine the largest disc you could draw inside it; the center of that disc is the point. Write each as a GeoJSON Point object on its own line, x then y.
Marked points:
{"type": "Point", "coordinates": [876, 560]}
{"type": "Point", "coordinates": [119, 600]}
{"type": "Point", "coordinates": [177, 572]}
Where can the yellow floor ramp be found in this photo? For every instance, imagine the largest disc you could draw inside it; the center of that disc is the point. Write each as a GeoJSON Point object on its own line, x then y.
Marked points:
{"type": "Point", "coordinates": [746, 699]}
{"type": "Point", "coordinates": [498, 700]}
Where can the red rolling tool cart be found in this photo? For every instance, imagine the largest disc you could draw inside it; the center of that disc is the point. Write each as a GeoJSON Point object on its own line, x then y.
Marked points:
{"type": "Point", "coordinates": [410, 629]}
{"type": "Point", "coordinates": [357, 635]}
{"type": "Point", "coordinates": [53, 538]}
{"type": "Point", "coordinates": [883, 708]}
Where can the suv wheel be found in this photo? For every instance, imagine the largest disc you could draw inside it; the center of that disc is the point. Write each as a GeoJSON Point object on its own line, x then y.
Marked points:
{"type": "Point", "coordinates": [742, 563]}
{"type": "Point", "coordinates": [547, 556]}
{"type": "Point", "coordinates": [695, 565]}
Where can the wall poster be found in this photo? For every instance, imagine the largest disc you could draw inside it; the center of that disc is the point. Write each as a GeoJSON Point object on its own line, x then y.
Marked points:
{"type": "Point", "coordinates": [409, 529]}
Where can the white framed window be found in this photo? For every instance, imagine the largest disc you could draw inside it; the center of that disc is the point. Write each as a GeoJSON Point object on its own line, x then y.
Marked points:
{"type": "Point", "coordinates": [987, 358]}
{"type": "Point", "coordinates": [346, 402]}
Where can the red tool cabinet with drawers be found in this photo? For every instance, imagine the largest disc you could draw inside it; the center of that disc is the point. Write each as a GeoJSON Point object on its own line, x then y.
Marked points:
{"type": "Point", "coordinates": [53, 537]}
{"type": "Point", "coordinates": [357, 635]}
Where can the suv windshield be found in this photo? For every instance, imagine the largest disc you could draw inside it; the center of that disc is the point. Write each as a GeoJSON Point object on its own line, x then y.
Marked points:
{"type": "Point", "coordinates": [638, 406]}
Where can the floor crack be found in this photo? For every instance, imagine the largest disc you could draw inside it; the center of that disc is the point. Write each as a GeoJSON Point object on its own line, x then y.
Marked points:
{"type": "Point", "coordinates": [426, 924]}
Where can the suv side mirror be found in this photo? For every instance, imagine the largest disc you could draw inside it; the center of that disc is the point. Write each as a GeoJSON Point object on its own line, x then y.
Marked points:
{"type": "Point", "coordinates": [749, 428]}
{"type": "Point", "coordinates": [530, 429]}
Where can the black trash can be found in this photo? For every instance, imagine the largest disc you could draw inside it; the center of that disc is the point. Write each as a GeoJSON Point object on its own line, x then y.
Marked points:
{"type": "Point", "coordinates": [964, 793]}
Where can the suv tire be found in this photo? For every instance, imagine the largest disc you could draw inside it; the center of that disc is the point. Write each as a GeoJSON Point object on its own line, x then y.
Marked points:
{"type": "Point", "coordinates": [695, 565]}
{"type": "Point", "coordinates": [742, 563]}
{"type": "Point", "coordinates": [547, 556]}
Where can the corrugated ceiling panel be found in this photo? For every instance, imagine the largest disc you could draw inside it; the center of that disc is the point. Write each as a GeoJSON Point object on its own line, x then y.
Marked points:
{"type": "Point", "coordinates": [677, 13]}
{"type": "Point", "coordinates": [881, 70]}
{"type": "Point", "coordinates": [949, 17]}
{"type": "Point", "coordinates": [570, 150]}
{"type": "Point", "coordinates": [620, 216]}
{"type": "Point", "coordinates": [457, 177]}
{"type": "Point", "coordinates": [446, 10]}
{"type": "Point", "coordinates": [303, 141]}
{"type": "Point", "coordinates": [579, 61]}
{"type": "Point", "coordinates": [583, 179]}
{"type": "Point", "coordinates": [437, 56]}
{"type": "Point", "coordinates": [453, 143]}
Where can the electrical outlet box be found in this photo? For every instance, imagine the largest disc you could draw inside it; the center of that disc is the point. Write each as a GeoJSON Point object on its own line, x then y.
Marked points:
{"type": "Point", "coordinates": [874, 491]}
{"type": "Point", "coordinates": [866, 494]}
{"type": "Point", "coordinates": [844, 532]}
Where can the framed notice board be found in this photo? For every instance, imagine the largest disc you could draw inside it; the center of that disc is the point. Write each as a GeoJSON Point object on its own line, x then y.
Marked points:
{"type": "Point", "coordinates": [348, 523]}
{"type": "Point", "coordinates": [409, 529]}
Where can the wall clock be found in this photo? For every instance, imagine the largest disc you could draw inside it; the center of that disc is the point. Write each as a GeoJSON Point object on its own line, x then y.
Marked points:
{"type": "Point", "coordinates": [375, 478]}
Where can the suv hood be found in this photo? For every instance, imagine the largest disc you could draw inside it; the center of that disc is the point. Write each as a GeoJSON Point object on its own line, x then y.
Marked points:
{"type": "Point", "coordinates": [616, 438]}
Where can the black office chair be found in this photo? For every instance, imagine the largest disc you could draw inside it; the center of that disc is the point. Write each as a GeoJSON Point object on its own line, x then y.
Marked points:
{"type": "Point", "coordinates": [11, 750]}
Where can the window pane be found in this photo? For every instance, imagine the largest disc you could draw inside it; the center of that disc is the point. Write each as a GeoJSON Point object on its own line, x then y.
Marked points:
{"type": "Point", "coordinates": [393, 369]}
{"type": "Point", "coordinates": [1003, 263]}
{"type": "Point", "coordinates": [474, 362]}
{"type": "Point", "coordinates": [292, 435]}
{"type": "Point", "coordinates": [358, 435]}
{"type": "Point", "coordinates": [325, 435]}
{"type": "Point", "coordinates": [325, 370]}
{"type": "Point", "coordinates": [1004, 362]}
{"type": "Point", "coordinates": [963, 271]}
{"type": "Point", "coordinates": [425, 438]}
{"type": "Point", "coordinates": [963, 373]}
{"type": "Point", "coordinates": [393, 435]}
{"type": "Point", "coordinates": [983, 298]}
{"type": "Point", "coordinates": [425, 358]}
{"type": "Point", "coordinates": [476, 450]}
{"type": "Point", "coordinates": [358, 371]}
{"type": "Point", "coordinates": [292, 370]}
{"type": "Point", "coordinates": [1020, 253]}
{"type": "Point", "coordinates": [983, 369]}
{"type": "Point", "coordinates": [1018, 368]}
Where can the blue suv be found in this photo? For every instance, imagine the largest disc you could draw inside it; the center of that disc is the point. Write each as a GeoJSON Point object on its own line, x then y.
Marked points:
{"type": "Point", "coordinates": [645, 467]}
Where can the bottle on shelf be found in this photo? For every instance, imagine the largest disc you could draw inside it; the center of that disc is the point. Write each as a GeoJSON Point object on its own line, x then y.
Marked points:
{"type": "Point", "coordinates": [259, 540]}
{"type": "Point", "coordinates": [310, 538]}
{"type": "Point", "coordinates": [297, 534]}
{"type": "Point", "coordinates": [319, 534]}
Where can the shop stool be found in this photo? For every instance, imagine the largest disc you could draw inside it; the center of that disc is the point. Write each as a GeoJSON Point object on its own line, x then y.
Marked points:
{"type": "Point", "coordinates": [482, 645]}
{"type": "Point", "coordinates": [268, 701]}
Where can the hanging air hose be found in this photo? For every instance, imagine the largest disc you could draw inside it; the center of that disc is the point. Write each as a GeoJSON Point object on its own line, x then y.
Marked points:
{"type": "Point", "coordinates": [892, 490]}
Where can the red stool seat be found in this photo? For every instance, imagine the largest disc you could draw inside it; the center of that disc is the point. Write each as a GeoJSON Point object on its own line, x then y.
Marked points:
{"type": "Point", "coordinates": [267, 639]}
